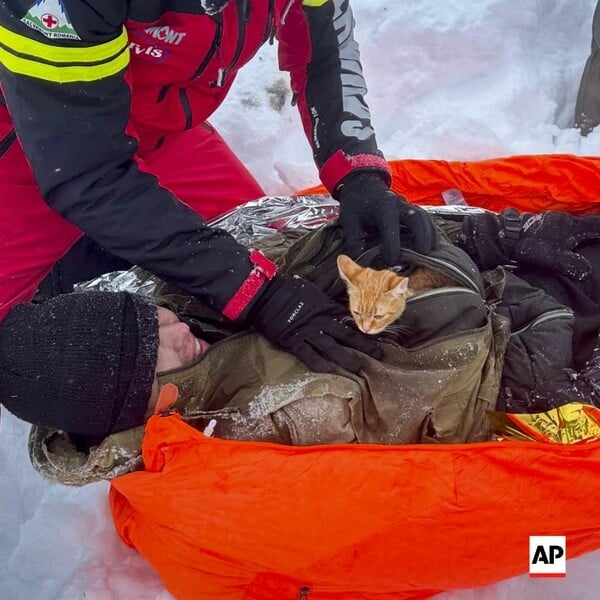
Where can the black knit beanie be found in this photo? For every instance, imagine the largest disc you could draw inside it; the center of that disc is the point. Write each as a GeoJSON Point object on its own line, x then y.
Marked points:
{"type": "Point", "coordinates": [83, 363]}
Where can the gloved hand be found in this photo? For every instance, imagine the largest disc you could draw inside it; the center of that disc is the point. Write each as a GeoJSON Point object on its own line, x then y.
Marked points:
{"type": "Point", "coordinates": [367, 204]}
{"type": "Point", "coordinates": [546, 240]}
{"type": "Point", "coordinates": [294, 314]}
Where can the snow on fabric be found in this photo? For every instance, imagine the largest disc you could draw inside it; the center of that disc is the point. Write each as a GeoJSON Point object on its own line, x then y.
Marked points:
{"type": "Point", "coordinates": [453, 81]}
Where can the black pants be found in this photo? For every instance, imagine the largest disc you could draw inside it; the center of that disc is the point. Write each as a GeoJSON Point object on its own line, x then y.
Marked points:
{"type": "Point", "coordinates": [84, 261]}
{"type": "Point", "coordinates": [587, 108]}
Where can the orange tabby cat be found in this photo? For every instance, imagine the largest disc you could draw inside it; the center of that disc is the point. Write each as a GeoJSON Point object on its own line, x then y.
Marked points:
{"type": "Point", "coordinates": [378, 298]}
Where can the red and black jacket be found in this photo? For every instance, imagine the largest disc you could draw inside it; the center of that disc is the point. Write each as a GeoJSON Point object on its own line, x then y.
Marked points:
{"type": "Point", "coordinates": [92, 87]}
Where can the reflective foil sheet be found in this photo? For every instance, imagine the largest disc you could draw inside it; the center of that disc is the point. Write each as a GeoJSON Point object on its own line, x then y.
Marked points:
{"type": "Point", "coordinates": [253, 220]}
{"type": "Point", "coordinates": [135, 281]}
{"type": "Point", "coordinates": [250, 222]}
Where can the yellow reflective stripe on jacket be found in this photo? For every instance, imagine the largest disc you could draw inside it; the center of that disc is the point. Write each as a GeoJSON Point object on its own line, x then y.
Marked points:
{"type": "Point", "coordinates": [24, 45]}
{"type": "Point", "coordinates": [63, 74]}
{"type": "Point", "coordinates": [314, 2]}
{"type": "Point", "coordinates": [78, 64]}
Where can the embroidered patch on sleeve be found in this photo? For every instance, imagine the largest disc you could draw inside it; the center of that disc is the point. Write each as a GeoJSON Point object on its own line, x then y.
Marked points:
{"type": "Point", "coordinates": [50, 18]}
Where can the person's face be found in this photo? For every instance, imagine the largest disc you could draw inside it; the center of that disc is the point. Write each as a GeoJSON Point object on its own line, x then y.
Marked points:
{"type": "Point", "coordinates": [177, 349]}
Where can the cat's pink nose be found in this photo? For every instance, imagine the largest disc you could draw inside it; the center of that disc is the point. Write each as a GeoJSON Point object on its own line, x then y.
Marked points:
{"type": "Point", "coordinates": [368, 327]}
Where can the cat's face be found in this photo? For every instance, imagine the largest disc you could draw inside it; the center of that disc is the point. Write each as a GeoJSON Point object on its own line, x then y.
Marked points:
{"type": "Point", "coordinates": [377, 298]}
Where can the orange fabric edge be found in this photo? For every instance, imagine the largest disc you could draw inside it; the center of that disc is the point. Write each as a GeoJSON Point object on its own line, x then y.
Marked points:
{"type": "Point", "coordinates": [527, 182]}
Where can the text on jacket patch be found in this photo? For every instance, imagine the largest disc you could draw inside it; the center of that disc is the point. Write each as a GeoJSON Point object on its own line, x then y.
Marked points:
{"type": "Point", "coordinates": [151, 52]}
{"type": "Point", "coordinates": [295, 312]}
{"type": "Point", "coordinates": [315, 135]}
{"type": "Point", "coordinates": [164, 33]}
{"type": "Point", "coordinates": [353, 83]}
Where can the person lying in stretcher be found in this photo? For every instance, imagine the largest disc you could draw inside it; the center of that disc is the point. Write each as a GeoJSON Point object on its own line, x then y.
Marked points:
{"type": "Point", "coordinates": [101, 358]}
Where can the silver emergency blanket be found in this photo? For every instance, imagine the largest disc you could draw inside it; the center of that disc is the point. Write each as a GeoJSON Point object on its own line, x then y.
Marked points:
{"type": "Point", "coordinates": [249, 223]}
{"type": "Point", "coordinates": [255, 219]}
{"type": "Point", "coordinates": [120, 281]}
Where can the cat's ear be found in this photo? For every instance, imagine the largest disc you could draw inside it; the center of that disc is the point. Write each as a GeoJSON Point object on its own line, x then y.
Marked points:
{"type": "Point", "coordinates": [399, 288]}
{"type": "Point", "coordinates": [347, 268]}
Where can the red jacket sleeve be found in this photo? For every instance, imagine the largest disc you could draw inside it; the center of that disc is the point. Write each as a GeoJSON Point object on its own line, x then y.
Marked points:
{"type": "Point", "coordinates": [70, 105]}
{"type": "Point", "coordinates": [317, 47]}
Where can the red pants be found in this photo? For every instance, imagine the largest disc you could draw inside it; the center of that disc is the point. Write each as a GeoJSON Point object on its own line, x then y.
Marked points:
{"type": "Point", "coordinates": [197, 166]}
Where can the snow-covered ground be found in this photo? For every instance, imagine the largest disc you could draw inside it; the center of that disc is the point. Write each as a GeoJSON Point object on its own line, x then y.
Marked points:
{"type": "Point", "coordinates": [463, 79]}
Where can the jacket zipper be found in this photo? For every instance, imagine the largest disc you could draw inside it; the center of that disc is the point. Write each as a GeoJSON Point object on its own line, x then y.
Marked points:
{"type": "Point", "coordinates": [186, 107]}
{"type": "Point", "coordinates": [7, 141]}
{"type": "Point", "coordinates": [441, 292]}
{"type": "Point", "coordinates": [453, 291]}
{"type": "Point", "coordinates": [558, 313]}
{"type": "Point", "coordinates": [214, 49]}
{"type": "Point", "coordinates": [243, 13]}
{"type": "Point", "coordinates": [269, 29]}
{"type": "Point", "coordinates": [457, 273]}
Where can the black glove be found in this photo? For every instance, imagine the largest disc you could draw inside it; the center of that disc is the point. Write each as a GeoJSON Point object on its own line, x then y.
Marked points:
{"type": "Point", "coordinates": [546, 240]}
{"type": "Point", "coordinates": [367, 204]}
{"type": "Point", "coordinates": [294, 314]}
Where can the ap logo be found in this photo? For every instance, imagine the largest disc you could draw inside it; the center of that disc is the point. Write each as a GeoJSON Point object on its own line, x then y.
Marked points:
{"type": "Point", "coordinates": [547, 556]}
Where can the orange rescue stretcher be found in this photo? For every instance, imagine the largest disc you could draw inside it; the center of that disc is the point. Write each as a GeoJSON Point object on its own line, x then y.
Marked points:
{"type": "Point", "coordinates": [228, 520]}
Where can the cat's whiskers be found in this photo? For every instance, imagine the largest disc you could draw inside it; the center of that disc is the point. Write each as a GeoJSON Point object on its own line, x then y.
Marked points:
{"type": "Point", "coordinates": [377, 298]}
{"type": "Point", "coordinates": [398, 329]}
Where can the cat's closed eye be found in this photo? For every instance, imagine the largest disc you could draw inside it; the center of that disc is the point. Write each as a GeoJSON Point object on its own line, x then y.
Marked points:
{"type": "Point", "coordinates": [383, 290]}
